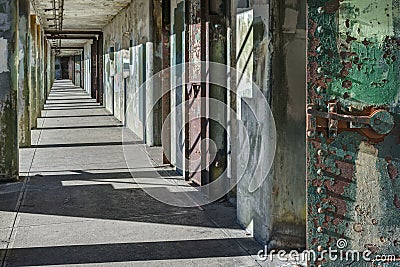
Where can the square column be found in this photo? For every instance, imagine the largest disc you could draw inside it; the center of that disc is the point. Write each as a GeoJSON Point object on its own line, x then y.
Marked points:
{"type": "Point", "coordinates": [9, 161]}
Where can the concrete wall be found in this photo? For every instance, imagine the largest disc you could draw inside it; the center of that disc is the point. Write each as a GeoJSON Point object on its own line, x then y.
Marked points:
{"type": "Point", "coordinates": [275, 213]}
{"type": "Point", "coordinates": [129, 35]}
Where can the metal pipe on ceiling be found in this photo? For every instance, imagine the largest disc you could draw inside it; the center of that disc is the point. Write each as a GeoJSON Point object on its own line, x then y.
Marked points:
{"type": "Point", "coordinates": [65, 37]}
{"type": "Point", "coordinates": [66, 32]}
{"type": "Point", "coordinates": [68, 48]}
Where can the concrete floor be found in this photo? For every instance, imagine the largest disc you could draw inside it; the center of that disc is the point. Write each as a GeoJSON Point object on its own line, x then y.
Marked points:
{"type": "Point", "coordinates": [80, 206]}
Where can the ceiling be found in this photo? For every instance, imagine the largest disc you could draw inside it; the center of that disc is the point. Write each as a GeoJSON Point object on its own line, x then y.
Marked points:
{"type": "Point", "coordinates": [78, 15]}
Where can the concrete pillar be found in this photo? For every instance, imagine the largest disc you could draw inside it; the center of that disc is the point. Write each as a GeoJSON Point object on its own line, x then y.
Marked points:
{"type": "Point", "coordinates": [52, 68]}
{"type": "Point", "coordinates": [219, 53]}
{"type": "Point", "coordinates": [38, 70]}
{"type": "Point", "coordinates": [23, 79]}
{"type": "Point", "coordinates": [166, 82]}
{"type": "Point", "coordinates": [49, 70]}
{"type": "Point", "coordinates": [8, 90]}
{"type": "Point", "coordinates": [45, 69]}
{"type": "Point", "coordinates": [33, 71]}
{"type": "Point", "coordinates": [42, 69]}
{"type": "Point", "coordinates": [149, 95]}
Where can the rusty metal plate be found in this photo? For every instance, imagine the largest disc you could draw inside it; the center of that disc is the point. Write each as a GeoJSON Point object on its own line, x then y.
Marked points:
{"type": "Point", "coordinates": [352, 172]}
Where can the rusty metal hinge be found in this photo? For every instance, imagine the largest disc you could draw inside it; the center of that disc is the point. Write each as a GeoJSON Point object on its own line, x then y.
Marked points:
{"type": "Point", "coordinates": [376, 124]}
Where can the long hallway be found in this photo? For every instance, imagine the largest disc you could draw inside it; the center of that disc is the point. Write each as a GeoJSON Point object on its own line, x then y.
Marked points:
{"type": "Point", "coordinates": [78, 204]}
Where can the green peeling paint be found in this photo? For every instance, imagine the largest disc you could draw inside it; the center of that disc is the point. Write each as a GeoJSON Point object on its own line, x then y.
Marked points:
{"type": "Point", "coordinates": [353, 182]}
{"type": "Point", "coordinates": [366, 31]}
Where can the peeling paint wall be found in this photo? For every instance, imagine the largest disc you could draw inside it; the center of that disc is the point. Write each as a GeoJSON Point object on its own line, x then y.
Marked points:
{"type": "Point", "coordinates": [353, 180]}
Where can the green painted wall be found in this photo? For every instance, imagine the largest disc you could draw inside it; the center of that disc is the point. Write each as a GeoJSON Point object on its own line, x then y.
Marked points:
{"type": "Point", "coordinates": [353, 180]}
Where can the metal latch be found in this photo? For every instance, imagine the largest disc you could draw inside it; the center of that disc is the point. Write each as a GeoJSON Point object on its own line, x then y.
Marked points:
{"type": "Point", "coordinates": [377, 124]}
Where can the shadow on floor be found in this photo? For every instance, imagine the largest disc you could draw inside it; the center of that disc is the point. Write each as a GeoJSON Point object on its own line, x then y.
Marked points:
{"type": "Point", "coordinates": [80, 127]}
{"type": "Point", "coordinates": [86, 144]}
{"type": "Point", "coordinates": [110, 196]}
{"type": "Point", "coordinates": [102, 196]}
{"type": "Point", "coordinates": [141, 251]}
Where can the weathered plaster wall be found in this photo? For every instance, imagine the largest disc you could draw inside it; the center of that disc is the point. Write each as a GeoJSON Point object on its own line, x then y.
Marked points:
{"type": "Point", "coordinates": [33, 70]}
{"type": "Point", "coordinates": [8, 90]}
{"type": "Point", "coordinates": [128, 35]}
{"type": "Point", "coordinates": [273, 54]}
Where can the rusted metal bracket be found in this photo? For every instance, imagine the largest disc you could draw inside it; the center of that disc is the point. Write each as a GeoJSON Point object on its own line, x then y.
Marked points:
{"type": "Point", "coordinates": [376, 124]}
{"type": "Point", "coordinates": [194, 89]}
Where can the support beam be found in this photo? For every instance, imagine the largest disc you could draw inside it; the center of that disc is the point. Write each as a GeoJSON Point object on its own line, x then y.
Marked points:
{"type": "Point", "coordinates": [23, 77]}
{"type": "Point", "coordinates": [9, 157]}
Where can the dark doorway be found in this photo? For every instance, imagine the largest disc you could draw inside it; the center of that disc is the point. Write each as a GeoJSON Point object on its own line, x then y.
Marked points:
{"type": "Point", "coordinates": [64, 68]}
